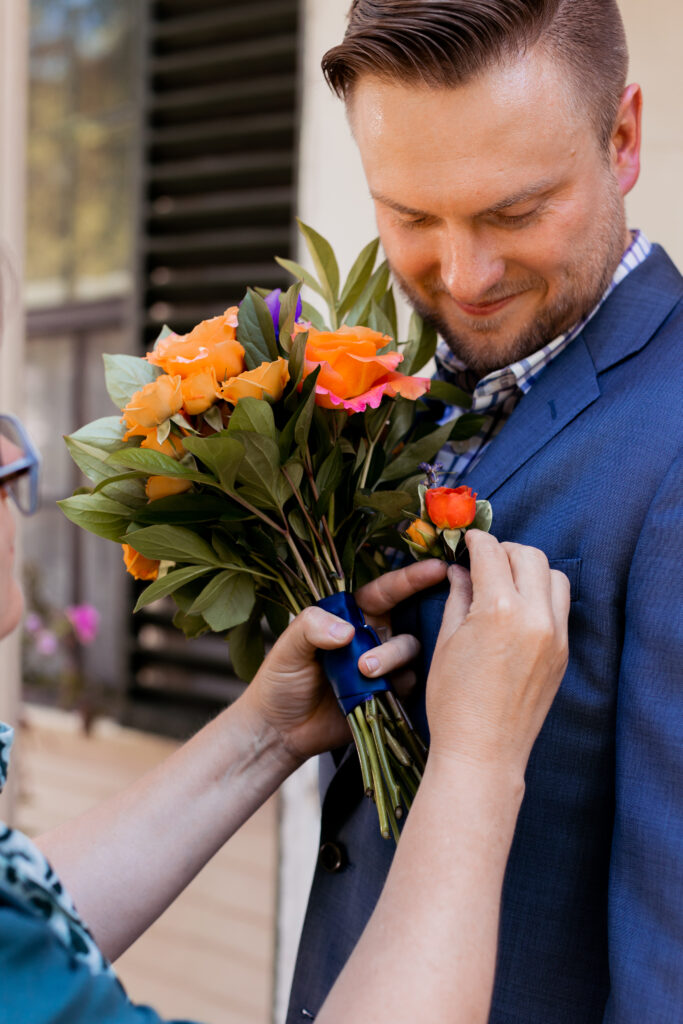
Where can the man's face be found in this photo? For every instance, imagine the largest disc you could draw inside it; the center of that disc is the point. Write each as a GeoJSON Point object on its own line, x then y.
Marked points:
{"type": "Point", "coordinates": [499, 211]}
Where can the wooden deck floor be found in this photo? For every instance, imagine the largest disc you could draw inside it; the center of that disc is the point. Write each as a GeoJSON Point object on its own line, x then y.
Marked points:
{"type": "Point", "coordinates": [210, 957]}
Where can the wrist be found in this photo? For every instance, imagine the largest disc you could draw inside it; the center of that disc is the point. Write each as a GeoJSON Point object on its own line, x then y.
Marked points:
{"type": "Point", "coordinates": [263, 741]}
{"type": "Point", "coordinates": [494, 781]}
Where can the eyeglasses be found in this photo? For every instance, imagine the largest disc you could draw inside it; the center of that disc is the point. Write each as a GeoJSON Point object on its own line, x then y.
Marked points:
{"type": "Point", "coordinates": [19, 465]}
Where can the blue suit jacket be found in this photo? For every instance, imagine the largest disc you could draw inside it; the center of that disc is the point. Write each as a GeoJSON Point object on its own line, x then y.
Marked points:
{"type": "Point", "coordinates": [587, 469]}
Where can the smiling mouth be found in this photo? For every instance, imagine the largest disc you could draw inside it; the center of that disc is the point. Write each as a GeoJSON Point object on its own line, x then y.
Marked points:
{"type": "Point", "coordinates": [485, 308]}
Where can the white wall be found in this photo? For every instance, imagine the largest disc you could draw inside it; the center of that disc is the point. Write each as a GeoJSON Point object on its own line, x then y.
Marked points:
{"type": "Point", "coordinates": [655, 31]}
{"type": "Point", "coordinates": [13, 78]}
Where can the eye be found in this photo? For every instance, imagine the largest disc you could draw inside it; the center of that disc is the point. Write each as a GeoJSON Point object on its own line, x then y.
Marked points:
{"type": "Point", "coordinates": [414, 222]}
{"type": "Point", "coordinates": [517, 220]}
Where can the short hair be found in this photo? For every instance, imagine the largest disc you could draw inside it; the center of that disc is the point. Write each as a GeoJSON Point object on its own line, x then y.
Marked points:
{"type": "Point", "coordinates": [446, 43]}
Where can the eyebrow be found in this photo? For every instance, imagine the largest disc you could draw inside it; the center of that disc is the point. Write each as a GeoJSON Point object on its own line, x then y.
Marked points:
{"type": "Point", "coordinates": [538, 189]}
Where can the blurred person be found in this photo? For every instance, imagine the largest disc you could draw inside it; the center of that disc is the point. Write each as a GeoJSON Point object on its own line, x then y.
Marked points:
{"type": "Point", "coordinates": [500, 656]}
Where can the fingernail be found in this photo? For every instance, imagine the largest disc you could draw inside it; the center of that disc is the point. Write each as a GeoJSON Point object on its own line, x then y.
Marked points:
{"type": "Point", "coordinates": [371, 665]}
{"type": "Point", "coordinates": [341, 630]}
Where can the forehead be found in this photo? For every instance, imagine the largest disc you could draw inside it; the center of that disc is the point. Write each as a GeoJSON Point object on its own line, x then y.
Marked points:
{"type": "Point", "coordinates": [514, 123]}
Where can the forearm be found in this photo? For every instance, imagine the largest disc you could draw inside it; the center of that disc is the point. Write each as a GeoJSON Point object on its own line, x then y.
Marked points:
{"type": "Point", "coordinates": [126, 860]}
{"type": "Point", "coordinates": [429, 950]}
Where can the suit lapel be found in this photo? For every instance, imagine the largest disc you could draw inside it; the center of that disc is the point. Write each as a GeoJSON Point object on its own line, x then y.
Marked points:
{"type": "Point", "coordinates": [564, 389]}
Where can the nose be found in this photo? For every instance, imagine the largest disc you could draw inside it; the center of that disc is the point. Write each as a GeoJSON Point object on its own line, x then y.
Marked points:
{"type": "Point", "coordinates": [470, 267]}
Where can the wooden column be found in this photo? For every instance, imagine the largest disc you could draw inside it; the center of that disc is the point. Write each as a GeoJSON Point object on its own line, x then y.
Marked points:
{"type": "Point", "coordinates": [13, 92]}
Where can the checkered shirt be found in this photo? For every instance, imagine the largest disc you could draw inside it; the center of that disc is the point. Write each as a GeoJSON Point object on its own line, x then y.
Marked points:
{"type": "Point", "coordinates": [496, 395]}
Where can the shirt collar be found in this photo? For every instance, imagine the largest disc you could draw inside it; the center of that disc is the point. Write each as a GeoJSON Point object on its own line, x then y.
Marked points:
{"type": "Point", "coordinates": [499, 384]}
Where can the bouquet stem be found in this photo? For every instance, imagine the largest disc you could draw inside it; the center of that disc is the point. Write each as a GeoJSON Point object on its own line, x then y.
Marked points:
{"type": "Point", "coordinates": [379, 727]}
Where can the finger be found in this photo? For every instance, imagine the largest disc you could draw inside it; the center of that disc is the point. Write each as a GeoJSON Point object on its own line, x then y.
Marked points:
{"type": "Point", "coordinates": [489, 567]}
{"type": "Point", "coordinates": [457, 604]}
{"type": "Point", "coordinates": [314, 628]}
{"type": "Point", "coordinates": [388, 657]}
{"type": "Point", "coordinates": [560, 598]}
{"type": "Point", "coordinates": [382, 594]}
{"type": "Point", "coordinates": [530, 572]}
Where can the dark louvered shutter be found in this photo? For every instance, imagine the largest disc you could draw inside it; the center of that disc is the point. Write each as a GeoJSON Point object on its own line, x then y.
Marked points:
{"type": "Point", "coordinates": [218, 184]}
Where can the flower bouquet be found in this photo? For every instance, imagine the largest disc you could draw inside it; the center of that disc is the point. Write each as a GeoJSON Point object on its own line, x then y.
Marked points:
{"type": "Point", "coordinates": [265, 462]}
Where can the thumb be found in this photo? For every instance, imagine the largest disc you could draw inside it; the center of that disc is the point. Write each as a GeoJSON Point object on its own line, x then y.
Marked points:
{"type": "Point", "coordinates": [458, 603]}
{"type": "Point", "coordinates": [312, 629]}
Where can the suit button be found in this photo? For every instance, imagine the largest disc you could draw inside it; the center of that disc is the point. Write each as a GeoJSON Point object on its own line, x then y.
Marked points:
{"type": "Point", "coordinates": [332, 857]}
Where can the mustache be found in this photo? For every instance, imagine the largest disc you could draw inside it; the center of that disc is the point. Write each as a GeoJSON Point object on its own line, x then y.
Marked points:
{"type": "Point", "coordinates": [495, 294]}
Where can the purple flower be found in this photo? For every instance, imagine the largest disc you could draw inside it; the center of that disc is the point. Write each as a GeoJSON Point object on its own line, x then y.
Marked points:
{"type": "Point", "coordinates": [47, 643]}
{"type": "Point", "coordinates": [85, 621]}
{"type": "Point", "coordinates": [272, 301]}
{"type": "Point", "coordinates": [33, 623]}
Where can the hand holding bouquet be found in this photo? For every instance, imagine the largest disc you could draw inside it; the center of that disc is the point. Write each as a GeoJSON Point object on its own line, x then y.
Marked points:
{"type": "Point", "coordinates": [264, 462]}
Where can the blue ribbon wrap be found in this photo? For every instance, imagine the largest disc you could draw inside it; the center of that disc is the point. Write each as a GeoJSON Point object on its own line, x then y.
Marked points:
{"type": "Point", "coordinates": [350, 686]}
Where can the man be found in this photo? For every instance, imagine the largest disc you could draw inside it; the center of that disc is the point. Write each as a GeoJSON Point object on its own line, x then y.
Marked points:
{"type": "Point", "coordinates": [499, 140]}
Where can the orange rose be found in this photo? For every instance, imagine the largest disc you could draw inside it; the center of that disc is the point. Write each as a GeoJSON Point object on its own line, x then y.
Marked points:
{"type": "Point", "coordinates": [266, 381]}
{"type": "Point", "coordinates": [352, 374]}
{"type": "Point", "coordinates": [421, 533]}
{"type": "Point", "coordinates": [153, 405]}
{"type": "Point", "coordinates": [172, 446]}
{"type": "Point", "coordinates": [200, 391]}
{"type": "Point", "coordinates": [212, 344]}
{"type": "Point", "coordinates": [138, 566]}
{"type": "Point", "coordinates": [164, 486]}
{"type": "Point", "coordinates": [451, 508]}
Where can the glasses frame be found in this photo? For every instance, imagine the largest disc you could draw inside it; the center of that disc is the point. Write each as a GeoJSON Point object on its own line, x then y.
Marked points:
{"type": "Point", "coordinates": [29, 464]}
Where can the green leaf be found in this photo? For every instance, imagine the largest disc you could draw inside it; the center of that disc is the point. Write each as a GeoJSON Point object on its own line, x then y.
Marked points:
{"type": "Point", "coordinates": [303, 423]}
{"type": "Point", "coordinates": [379, 321]}
{"type": "Point", "coordinates": [394, 504]}
{"type": "Point", "coordinates": [420, 347]}
{"type": "Point", "coordinates": [373, 292]}
{"type": "Point", "coordinates": [324, 262]}
{"type": "Point", "coordinates": [190, 507]}
{"type": "Point", "coordinates": [254, 415]}
{"type": "Point", "coordinates": [277, 617]}
{"type": "Point", "coordinates": [388, 306]}
{"type": "Point", "coordinates": [466, 426]}
{"type": "Point", "coordinates": [449, 394]}
{"type": "Point", "coordinates": [297, 359]}
{"type": "Point", "coordinates": [255, 331]}
{"type": "Point", "coordinates": [400, 423]}
{"type": "Point", "coordinates": [168, 583]}
{"type": "Point", "coordinates": [309, 312]}
{"type": "Point", "coordinates": [296, 270]}
{"type": "Point", "coordinates": [245, 643]}
{"type": "Point", "coordinates": [328, 478]}
{"type": "Point", "coordinates": [358, 277]}
{"type": "Point", "coordinates": [124, 375]}
{"type": "Point", "coordinates": [158, 464]}
{"type": "Point", "coordinates": [173, 544]}
{"type": "Point", "coordinates": [226, 601]}
{"type": "Point", "coordinates": [220, 453]}
{"type": "Point", "coordinates": [213, 418]}
{"type": "Point", "coordinates": [106, 433]}
{"type": "Point", "coordinates": [452, 538]}
{"type": "Point", "coordinates": [163, 430]}
{"type": "Point", "coordinates": [260, 469]}
{"type": "Point", "coordinates": [97, 514]}
{"type": "Point", "coordinates": [163, 333]}
{"type": "Point", "coordinates": [288, 304]}
{"type": "Point", "coordinates": [191, 625]}
{"type": "Point", "coordinates": [483, 517]}
{"type": "Point", "coordinates": [410, 457]}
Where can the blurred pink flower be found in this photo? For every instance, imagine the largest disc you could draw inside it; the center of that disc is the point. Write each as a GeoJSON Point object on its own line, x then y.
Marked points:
{"type": "Point", "coordinates": [85, 621]}
{"type": "Point", "coordinates": [33, 623]}
{"type": "Point", "coordinates": [47, 643]}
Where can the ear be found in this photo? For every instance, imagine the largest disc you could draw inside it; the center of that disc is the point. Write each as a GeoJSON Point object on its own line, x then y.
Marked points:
{"type": "Point", "coordinates": [625, 145]}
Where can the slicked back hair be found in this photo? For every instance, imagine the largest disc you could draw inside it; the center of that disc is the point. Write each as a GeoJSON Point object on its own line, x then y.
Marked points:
{"type": "Point", "coordinates": [447, 43]}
